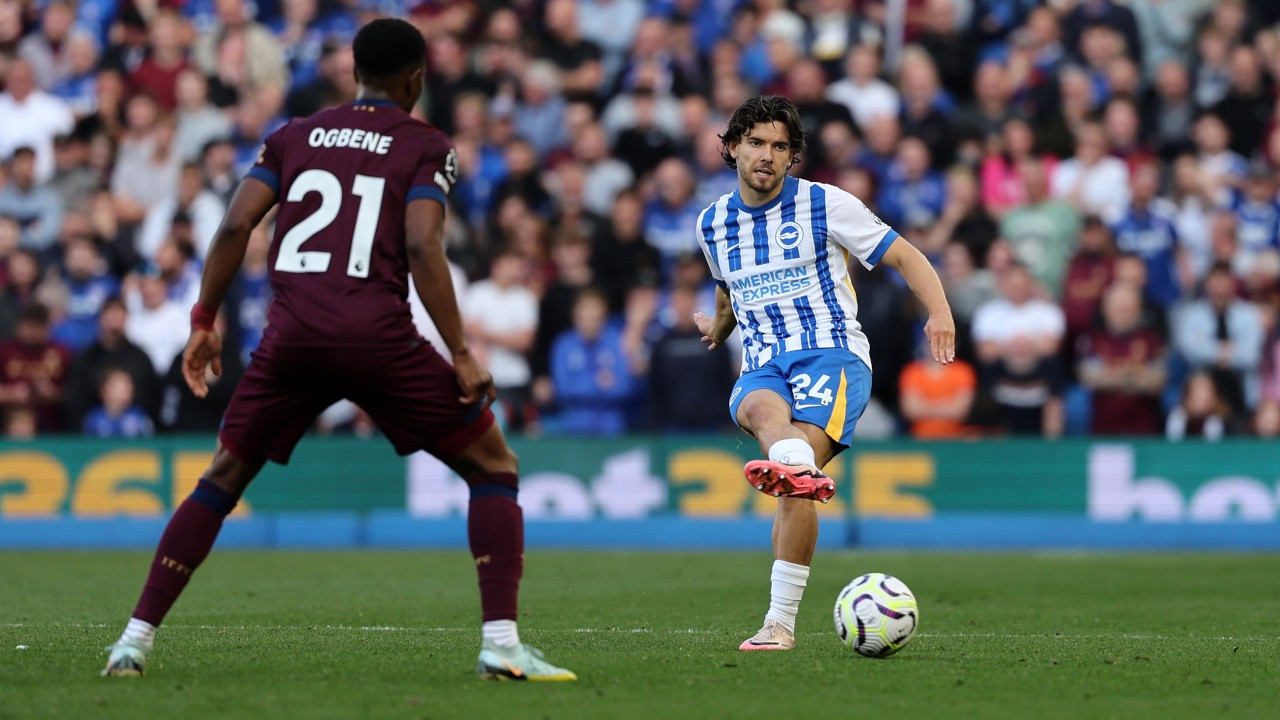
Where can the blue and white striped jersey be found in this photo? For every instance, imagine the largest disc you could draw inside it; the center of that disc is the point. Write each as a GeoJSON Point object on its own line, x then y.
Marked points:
{"type": "Point", "coordinates": [785, 266]}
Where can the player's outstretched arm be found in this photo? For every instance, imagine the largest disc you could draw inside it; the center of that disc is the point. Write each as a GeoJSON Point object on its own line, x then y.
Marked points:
{"type": "Point", "coordinates": [940, 329]}
{"type": "Point", "coordinates": [252, 201]}
{"type": "Point", "coordinates": [716, 330]}
{"type": "Point", "coordinates": [424, 244]}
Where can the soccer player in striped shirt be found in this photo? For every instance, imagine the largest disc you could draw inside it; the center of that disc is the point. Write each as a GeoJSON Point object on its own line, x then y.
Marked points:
{"type": "Point", "coordinates": [779, 249]}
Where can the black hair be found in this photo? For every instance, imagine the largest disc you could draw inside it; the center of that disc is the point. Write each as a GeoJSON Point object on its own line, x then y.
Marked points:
{"type": "Point", "coordinates": [386, 47]}
{"type": "Point", "coordinates": [34, 312]}
{"type": "Point", "coordinates": [763, 109]}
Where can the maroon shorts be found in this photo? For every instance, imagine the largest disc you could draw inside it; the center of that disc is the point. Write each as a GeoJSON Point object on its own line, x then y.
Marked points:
{"type": "Point", "coordinates": [408, 389]}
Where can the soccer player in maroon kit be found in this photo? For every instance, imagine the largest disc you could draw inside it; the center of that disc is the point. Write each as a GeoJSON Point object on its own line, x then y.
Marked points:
{"type": "Point", "coordinates": [362, 191]}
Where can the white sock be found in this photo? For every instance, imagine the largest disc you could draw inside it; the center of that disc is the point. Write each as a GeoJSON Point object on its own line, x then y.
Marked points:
{"type": "Point", "coordinates": [139, 633]}
{"type": "Point", "coordinates": [788, 580]}
{"type": "Point", "coordinates": [501, 632]}
{"type": "Point", "coordinates": [792, 451]}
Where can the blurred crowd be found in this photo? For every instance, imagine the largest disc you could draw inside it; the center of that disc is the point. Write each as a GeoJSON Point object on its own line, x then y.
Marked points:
{"type": "Point", "coordinates": [1095, 181]}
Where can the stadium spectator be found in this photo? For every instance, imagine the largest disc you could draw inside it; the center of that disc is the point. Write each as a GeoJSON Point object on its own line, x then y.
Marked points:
{"type": "Point", "coordinates": [33, 369]}
{"type": "Point", "coordinates": [1043, 231]}
{"type": "Point", "coordinates": [962, 219]}
{"type": "Point", "coordinates": [89, 285]}
{"type": "Point", "coordinates": [1102, 13]}
{"type": "Point", "coordinates": [1167, 28]}
{"type": "Point", "coordinates": [304, 31]}
{"type": "Point", "coordinates": [1257, 214]}
{"type": "Point", "coordinates": [1170, 110]}
{"type": "Point", "coordinates": [31, 118]}
{"type": "Point", "coordinates": [1190, 204]}
{"type": "Point", "coordinates": [74, 179]}
{"type": "Point", "coordinates": [1087, 276]}
{"type": "Point", "coordinates": [927, 108]}
{"type": "Point", "coordinates": [118, 416]}
{"type": "Point", "coordinates": [688, 386]}
{"type": "Point", "coordinates": [644, 144]}
{"type": "Point", "coordinates": [1249, 103]}
{"type": "Point", "coordinates": [1017, 314]}
{"type": "Point", "coordinates": [37, 208]}
{"type": "Point", "coordinates": [989, 109]}
{"type": "Point", "coordinates": [1222, 169]}
{"type": "Point", "coordinates": [1123, 126]}
{"type": "Point", "coordinates": [217, 160]}
{"type": "Point", "coordinates": [156, 323]}
{"type": "Point", "coordinates": [244, 56]}
{"type": "Point", "coordinates": [1201, 411]}
{"type": "Point", "coordinates": [861, 90]}
{"type": "Point", "coordinates": [190, 198]}
{"type": "Point", "coordinates": [450, 78]}
{"type": "Point", "coordinates": [1091, 180]}
{"type": "Point", "coordinates": [501, 317]}
{"type": "Point", "coordinates": [1223, 335]}
{"type": "Point", "coordinates": [937, 399]}
{"type": "Point", "coordinates": [198, 121]}
{"type": "Point", "coordinates": [1143, 230]}
{"type": "Point", "coordinates": [579, 60]}
{"type": "Point", "coordinates": [620, 258]}
{"type": "Point", "coordinates": [46, 49]}
{"type": "Point", "coordinates": [147, 166]}
{"type": "Point", "coordinates": [1003, 187]}
{"type": "Point", "coordinates": [589, 372]}
{"type": "Point", "coordinates": [912, 194]}
{"type": "Point", "coordinates": [333, 84]}
{"type": "Point", "coordinates": [79, 85]}
{"type": "Point", "coordinates": [671, 216]}
{"type": "Point", "coordinates": [157, 74]}
{"type": "Point", "coordinates": [22, 275]}
{"type": "Point", "coordinates": [571, 254]}
{"type": "Point", "coordinates": [128, 46]}
{"type": "Point", "coordinates": [539, 113]}
{"type": "Point", "coordinates": [1024, 388]}
{"type": "Point", "coordinates": [109, 350]}
{"type": "Point", "coordinates": [178, 267]}
{"type": "Point", "coordinates": [1123, 365]}
{"type": "Point", "coordinates": [953, 50]}
{"type": "Point", "coordinates": [606, 176]}
{"type": "Point", "coordinates": [612, 26]}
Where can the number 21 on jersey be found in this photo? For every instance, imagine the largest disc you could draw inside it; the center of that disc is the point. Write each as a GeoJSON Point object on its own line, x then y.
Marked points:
{"type": "Point", "coordinates": [292, 258]}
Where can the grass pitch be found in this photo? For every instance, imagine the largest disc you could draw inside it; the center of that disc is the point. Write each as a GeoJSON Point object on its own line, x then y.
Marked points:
{"type": "Point", "coordinates": [395, 635]}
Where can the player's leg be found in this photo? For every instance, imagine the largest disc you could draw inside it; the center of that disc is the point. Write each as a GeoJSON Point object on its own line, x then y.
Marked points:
{"type": "Point", "coordinates": [495, 531]}
{"type": "Point", "coordinates": [278, 398]}
{"type": "Point", "coordinates": [414, 399]}
{"type": "Point", "coordinates": [186, 542]}
{"type": "Point", "coordinates": [799, 429]}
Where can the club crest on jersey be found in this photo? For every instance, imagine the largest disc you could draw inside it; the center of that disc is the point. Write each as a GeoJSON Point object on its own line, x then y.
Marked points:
{"type": "Point", "coordinates": [789, 235]}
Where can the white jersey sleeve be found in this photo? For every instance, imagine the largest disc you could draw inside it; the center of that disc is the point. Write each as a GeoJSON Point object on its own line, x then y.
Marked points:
{"type": "Point", "coordinates": [705, 231]}
{"type": "Point", "coordinates": [856, 229]}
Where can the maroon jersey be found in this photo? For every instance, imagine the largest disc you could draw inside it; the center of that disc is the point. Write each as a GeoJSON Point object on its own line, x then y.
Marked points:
{"type": "Point", "coordinates": [337, 265]}
{"type": "Point", "coordinates": [33, 365]}
{"type": "Point", "coordinates": [1120, 412]}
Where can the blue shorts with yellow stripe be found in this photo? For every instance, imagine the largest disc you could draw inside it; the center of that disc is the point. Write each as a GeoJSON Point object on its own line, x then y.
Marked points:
{"type": "Point", "coordinates": [827, 387]}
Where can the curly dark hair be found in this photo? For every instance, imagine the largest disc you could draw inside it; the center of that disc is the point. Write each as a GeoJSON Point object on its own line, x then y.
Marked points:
{"type": "Point", "coordinates": [386, 46]}
{"type": "Point", "coordinates": [763, 109]}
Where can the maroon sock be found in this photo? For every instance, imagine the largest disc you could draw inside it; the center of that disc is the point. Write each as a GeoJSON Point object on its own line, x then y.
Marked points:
{"type": "Point", "coordinates": [495, 528]}
{"type": "Point", "coordinates": [185, 544]}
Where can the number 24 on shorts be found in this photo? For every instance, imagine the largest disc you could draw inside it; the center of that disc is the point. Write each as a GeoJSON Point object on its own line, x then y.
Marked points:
{"type": "Point", "coordinates": [804, 388]}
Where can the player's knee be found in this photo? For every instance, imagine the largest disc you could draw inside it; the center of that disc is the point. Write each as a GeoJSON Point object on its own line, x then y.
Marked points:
{"type": "Point", "coordinates": [230, 473]}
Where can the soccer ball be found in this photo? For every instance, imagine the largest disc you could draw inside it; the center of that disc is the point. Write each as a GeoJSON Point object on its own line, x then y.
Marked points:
{"type": "Point", "coordinates": [876, 615]}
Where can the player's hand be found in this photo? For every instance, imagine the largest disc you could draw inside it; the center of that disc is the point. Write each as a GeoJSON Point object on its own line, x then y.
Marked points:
{"type": "Point", "coordinates": [706, 326]}
{"type": "Point", "coordinates": [475, 381]}
{"type": "Point", "coordinates": [204, 350]}
{"type": "Point", "coordinates": [941, 332]}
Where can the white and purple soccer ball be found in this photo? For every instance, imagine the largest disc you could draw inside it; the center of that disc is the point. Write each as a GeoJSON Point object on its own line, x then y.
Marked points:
{"type": "Point", "coordinates": [876, 615]}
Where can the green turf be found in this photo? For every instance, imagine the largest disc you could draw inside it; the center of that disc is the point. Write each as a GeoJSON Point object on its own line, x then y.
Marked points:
{"type": "Point", "coordinates": [652, 635]}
